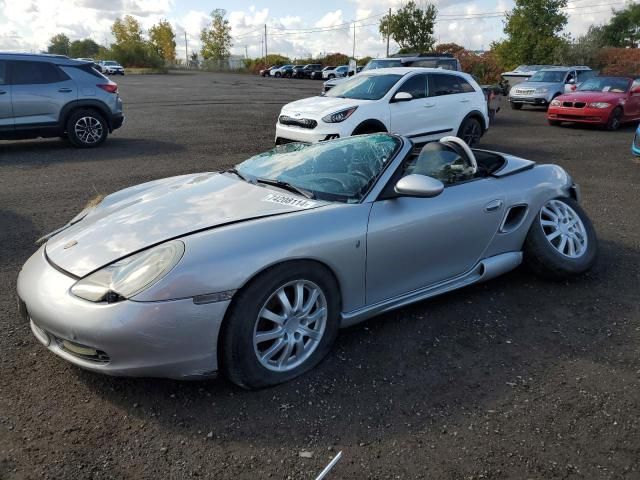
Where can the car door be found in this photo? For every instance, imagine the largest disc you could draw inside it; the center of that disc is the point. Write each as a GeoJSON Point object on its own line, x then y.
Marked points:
{"type": "Point", "coordinates": [632, 106]}
{"type": "Point", "coordinates": [451, 98]}
{"type": "Point", "coordinates": [414, 243]}
{"type": "Point", "coordinates": [39, 91]}
{"type": "Point", "coordinates": [414, 118]}
{"type": "Point", "coordinates": [6, 111]}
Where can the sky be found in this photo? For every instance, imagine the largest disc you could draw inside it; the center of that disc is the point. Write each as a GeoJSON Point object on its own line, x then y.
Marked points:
{"type": "Point", "coordinates": [27, 25]}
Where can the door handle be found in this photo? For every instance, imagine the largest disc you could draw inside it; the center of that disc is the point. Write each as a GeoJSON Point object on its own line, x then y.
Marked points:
{"type": "Point", "coordinates": [493, 206]}
{"type": "Point", "coordinates": [64, 90]}
{"type": "Point", "coordinates": [2, 92]}
{"type": "Point", "coordinates": [466, 100]}
{"type": "Point", "coordinates": [429, 105]}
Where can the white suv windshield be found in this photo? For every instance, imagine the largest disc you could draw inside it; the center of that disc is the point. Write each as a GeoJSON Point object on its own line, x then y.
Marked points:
{"type": "Point", "coordinates": [551, 76]}
{"type": "Point", "coordinates": [365, 87]}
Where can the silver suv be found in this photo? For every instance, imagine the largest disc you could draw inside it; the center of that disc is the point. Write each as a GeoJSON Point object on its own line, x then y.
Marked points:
{"type": "Point", "coordinates": [55, 96]}
{"type": "Point", "coordinates": [546, 84]}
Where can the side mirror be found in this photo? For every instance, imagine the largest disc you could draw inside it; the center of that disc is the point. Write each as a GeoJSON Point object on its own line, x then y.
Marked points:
{"type": "Point", "coordinates": [635, 91]}
{"type": "Point", "coordinates": [571, 81]}
{"type": "Point", "coordinates": [419, 186]}
{"type": "Point", "coordinates": [402, 97]}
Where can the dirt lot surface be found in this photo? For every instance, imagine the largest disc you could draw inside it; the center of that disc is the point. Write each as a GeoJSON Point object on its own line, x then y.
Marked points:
{"type": "Point", "coordinates": [515, 378]}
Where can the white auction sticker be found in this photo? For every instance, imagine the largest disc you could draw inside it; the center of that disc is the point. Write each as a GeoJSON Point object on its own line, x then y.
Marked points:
{"type": "Point", "coordinates": [287, 200]}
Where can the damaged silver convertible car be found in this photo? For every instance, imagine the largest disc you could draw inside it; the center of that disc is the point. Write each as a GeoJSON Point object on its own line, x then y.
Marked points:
{"type": "Point", "coordinates": [252, 271]}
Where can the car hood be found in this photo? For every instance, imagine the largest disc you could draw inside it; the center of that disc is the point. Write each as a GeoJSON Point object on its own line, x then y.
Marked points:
{"type": "Point", "coordinates": [145, 215]}
{"type": "Point", "coordinates": [319, 106]}
{"type": "Point", "coordinates": [610, 97]}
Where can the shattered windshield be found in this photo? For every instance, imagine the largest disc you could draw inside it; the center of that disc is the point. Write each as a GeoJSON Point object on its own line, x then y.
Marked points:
{"type": "Point", "coordinates": [339, 170]}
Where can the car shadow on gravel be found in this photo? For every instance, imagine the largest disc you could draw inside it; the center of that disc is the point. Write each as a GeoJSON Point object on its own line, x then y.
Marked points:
{"type": "Point", "coordinates": [17, 234]}
{"type": "Point", "coordinates": [52, 151]}
{"type": "Point", "coordinates": [413, 370]}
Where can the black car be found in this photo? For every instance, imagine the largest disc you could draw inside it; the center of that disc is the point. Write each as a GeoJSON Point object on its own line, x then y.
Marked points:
{"type": "Point", "coordinates": [317, 74]}
{"type": "Point", "coordinates": [308, 70]}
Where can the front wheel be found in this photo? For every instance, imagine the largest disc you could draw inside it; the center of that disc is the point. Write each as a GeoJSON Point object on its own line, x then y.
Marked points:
{"type": "Point", "coordinates": [280, 326]}
{"type": "Point", "coordinates": [470, 131]}
{"type": "Point", "coordinates": [86, 128]}
{"type": "Point", "coordinates": [554, 123]}
{"type": "Point", "coordinates": [561, 241]}
{"type": "Point", "coordinates": [615, 119]}
{"type": "Point", "coordinates": [278, 75]}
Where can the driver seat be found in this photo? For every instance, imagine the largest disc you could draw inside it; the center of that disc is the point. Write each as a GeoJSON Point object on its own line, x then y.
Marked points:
{"type": "Point", "coordinates": [450, 160]}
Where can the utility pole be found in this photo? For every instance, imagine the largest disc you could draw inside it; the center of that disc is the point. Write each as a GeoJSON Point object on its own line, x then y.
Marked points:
{"type": "Point", "coordinates": [266, 53]}
{"type": "Point", "coordinates": [186, 51]}
{"type": "Point", "coordinates": [388, 30]}
{"type": "Point", "coordinates": [246, 54]}
{"type": "Point", "coordinates": [354, 40]}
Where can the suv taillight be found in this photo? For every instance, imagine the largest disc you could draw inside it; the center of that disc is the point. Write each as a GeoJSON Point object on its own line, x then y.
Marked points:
{"type": "Point", "coordinates": [109, 87]}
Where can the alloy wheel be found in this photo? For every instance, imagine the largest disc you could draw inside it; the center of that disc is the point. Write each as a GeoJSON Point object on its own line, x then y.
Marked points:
{"type": "Point", "coordinates": [89, 130]}
{"type": "Point", "coordinates": [471, 133]}
{"type": "Point", "coordinates": [563, 229]}
{"type": "Point", "coordinates": [290, 325]}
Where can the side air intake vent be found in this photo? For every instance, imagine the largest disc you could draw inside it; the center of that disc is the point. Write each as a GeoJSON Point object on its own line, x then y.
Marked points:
{"type": "Point", "coordinates": [513, 219]}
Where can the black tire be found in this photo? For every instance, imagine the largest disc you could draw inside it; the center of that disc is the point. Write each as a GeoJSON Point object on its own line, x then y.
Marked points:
{"type": "Point", "coordinates": [367, 129]}
{"type": "Point", "coordinates": [470, 131]}
{"type": "Point", "coordinates": [544, 259]}
{"type": "Point", "coordinates": [238, 359]}
{"type": "Point", "coordinates": [554, 123]}
{"type": "Point", "coordinates": [93, 121]}
{"type": "Point", "coordinates": [278, 75]}
{"type": "Point", "coordinates": [331, 75]}
{"type": "Point", "coordinates": [614, 119]}
{"type": "Point", "coordinates": [515, 106]}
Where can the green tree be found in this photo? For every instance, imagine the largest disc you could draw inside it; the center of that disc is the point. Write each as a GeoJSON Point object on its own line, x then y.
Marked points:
{"type": "Point", "coordinates": [216, 40]}
{"type": "Point", "coordinates": [127, 30]}
{"type": "Point", "coordinates": [163, 39]}
{"type": "Point", "coordinates": [584, 50]}
{"type": "Point", "coordinates": [411, 27]}
{"type": "Point", "coordinates": [59, 44]}
{"type": "Point", "coordinates": [623, 29]}
{"type": "Point", "coordinates": [84, 48]}
{"type": "Point", "coordinates": [533, 30]}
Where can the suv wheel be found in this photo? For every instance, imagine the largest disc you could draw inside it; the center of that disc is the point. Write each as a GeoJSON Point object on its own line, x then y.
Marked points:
{"type": "Point", "coordinates": [86, 128]}
{"type": "Point", "coordinates": [470, 131]}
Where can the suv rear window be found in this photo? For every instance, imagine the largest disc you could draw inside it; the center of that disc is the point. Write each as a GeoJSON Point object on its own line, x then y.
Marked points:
{"type": "Point", "coordinates": [3, 72]}
{"type": "Point", "coordinates": [443, 84]}
{"type": "Point", "coordinates": [30, 73]}
{"type": "Point", "coordinates": [446, 64]}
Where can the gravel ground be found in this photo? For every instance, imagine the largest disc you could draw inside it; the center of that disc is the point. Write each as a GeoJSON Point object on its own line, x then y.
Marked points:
{"type": "Point", "coordinates": [515, 378]}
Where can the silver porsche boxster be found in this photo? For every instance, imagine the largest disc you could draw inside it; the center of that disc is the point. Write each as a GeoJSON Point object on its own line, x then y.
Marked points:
{"type": "Point", "coordinates": [253, 270]}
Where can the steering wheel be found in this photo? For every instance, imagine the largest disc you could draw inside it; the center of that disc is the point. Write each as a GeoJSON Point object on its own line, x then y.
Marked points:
{"type": "Point", "coordinates": [362, 175]}
{"type": "Point", "coordinates": [334, 180]}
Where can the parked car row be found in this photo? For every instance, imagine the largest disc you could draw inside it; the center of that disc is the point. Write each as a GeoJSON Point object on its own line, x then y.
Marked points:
{"type": "Point", "coordinates": [313, 71]}
{"type": "Point", "coordinates": [110, 67]}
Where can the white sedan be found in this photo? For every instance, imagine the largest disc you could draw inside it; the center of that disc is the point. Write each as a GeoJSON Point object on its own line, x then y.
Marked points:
{"type": "Point", "coordinates": [423, 104]}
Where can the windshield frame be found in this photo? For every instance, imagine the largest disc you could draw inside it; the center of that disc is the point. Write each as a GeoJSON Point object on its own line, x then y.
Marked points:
{"type": "Point", "coordinates": [317, 195]}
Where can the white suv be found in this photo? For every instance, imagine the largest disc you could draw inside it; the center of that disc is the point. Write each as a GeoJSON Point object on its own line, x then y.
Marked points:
{"type": "Point", "coordinates": [423, 104]}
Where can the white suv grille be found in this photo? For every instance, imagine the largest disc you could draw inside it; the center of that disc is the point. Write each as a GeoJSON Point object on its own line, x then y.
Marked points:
{"type": "Point", "coordinates": [524, 91]}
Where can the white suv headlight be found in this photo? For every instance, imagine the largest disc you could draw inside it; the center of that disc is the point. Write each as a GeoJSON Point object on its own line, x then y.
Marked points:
{"type": "Point", "coordinates": [129, 276]}
{"type": "Point", "coordinates": [542, 90]}
{"type": "Point", "coordinates": [339, 116]}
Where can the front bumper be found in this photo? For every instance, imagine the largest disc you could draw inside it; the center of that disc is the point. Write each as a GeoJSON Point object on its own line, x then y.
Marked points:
{"type": "Point", "coordinates": [175, 339]}
{"type": "Point", "coordinates": [117, 121]}
{"type": "Point", "coordinates": [289, 133]}
{"type": "Point", "coordinates": [595, 116]}
{"type": "Point", "coordinates": [539, 101]}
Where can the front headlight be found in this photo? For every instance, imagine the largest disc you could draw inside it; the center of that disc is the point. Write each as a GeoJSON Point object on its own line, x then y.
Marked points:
{"type": "Point", "coordinates": [542, 90]}
{"type": "Point", "coordinates": [129, 276]}
{"type": "Point", "coordinates": [340, 116]}
{"type": "Point", "coordinates": [599, 105]}
{"type": "Point", "coordinates": [556, 103]}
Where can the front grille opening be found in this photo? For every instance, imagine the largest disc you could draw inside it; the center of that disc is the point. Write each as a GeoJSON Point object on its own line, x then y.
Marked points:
{"type": "Point", "coordinates": [567, 104]}
{"type": "Point", "coordinates": [298, 122]}
{"type": "Point", "coordinates": [513, 219]}
{"type": "Point", "coordinates": [579, 104]}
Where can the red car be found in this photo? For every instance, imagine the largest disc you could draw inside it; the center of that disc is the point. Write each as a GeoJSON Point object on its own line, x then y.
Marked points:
{"type": "Point", "coordinates": [606, 101]}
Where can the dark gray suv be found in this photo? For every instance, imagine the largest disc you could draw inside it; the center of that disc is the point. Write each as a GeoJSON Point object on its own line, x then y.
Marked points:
{"type": "Point", "coordinates": [55, 96]}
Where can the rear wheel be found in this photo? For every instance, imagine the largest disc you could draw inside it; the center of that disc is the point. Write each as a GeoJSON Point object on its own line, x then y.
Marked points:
{"type": "Point", "coordinates": [615, 119]}
{"type": "Point", "coordinates": [561, 241]}
{"type": "Point", "coordinates": [86, 128]}
{"type": "Point", "coordinates": [516, 106]}
{"type": "Point", "coordinates": [554, 123]}
{"type": "Point", "coordinates": [280, 326]}
{"type": "Point", "coordinates": [470, 131]}
{"type": "Point", "coordinates": [278, 75]}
